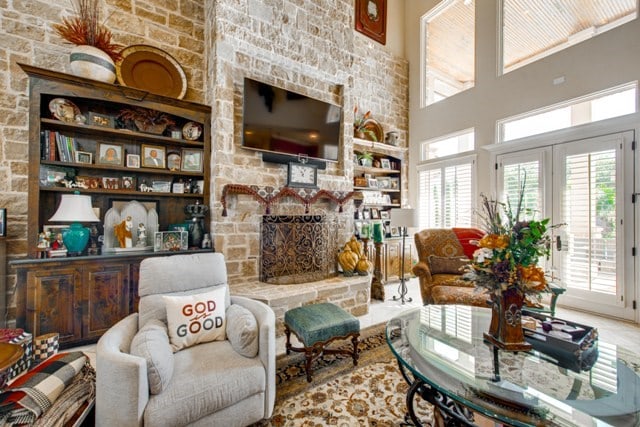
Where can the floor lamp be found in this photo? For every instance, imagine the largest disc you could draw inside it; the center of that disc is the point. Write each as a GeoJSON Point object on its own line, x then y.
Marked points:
{"type": "Point", "coordinates": [403, 218]}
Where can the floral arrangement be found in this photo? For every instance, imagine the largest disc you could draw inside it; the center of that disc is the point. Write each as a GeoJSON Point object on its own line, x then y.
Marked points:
{"type": "Point", "coordinates": [146, 116]}
{"type": "Point", "coordinates": [86, 29]}
{"type": "Point", "coordinates": [508, 254]}
{"type": "Point", "coordinates": [360, 124]}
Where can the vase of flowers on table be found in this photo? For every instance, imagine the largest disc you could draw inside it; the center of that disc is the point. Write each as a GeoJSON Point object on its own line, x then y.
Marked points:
{"type": "Point", "coordinates": [506, 265]}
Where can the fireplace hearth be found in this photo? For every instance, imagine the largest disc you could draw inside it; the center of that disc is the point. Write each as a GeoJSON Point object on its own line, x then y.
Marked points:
{"type": "Point", "coordinates": [296, 249]}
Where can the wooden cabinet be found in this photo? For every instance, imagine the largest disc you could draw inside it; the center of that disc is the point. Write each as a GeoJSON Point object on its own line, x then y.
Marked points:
{"type": "Point", "coordinates": [78, 297]}
{"type": "Point", "coordinates": [391, 258]}
{"type": "Point", "coordinates": [73, 125]}
{"type": "Point", "coordinates": [73, 151]}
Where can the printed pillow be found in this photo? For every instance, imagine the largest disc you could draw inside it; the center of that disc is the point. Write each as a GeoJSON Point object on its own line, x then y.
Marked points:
{"type": "Point", "coordinates": [446, 265]}
{"type": "Point", "coordinates": [194, 319]}
{"type": "Point", "coordinates": [152, 343]}
{"type": "Point", "coordinates": [242, 330]}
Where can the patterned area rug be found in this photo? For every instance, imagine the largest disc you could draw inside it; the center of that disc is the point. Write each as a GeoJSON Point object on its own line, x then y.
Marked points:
{"type": "Point", "coordinates": [371, 394]}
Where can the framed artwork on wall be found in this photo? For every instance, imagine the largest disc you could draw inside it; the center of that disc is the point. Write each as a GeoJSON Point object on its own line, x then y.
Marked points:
{"type": "Point", "coordinates": [371, 19]}
{"type": "Point", "coordinates": [3, 222]}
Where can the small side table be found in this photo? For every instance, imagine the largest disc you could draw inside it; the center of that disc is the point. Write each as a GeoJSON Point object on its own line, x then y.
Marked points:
{"type": "Point", "coordinates": [9, 355]}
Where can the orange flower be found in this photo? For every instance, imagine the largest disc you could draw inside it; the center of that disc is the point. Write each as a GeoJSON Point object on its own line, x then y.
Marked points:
{"type": "Point", "coordinates": [494, 241]}
{"type": "Point", "coordinates": [532, 277]}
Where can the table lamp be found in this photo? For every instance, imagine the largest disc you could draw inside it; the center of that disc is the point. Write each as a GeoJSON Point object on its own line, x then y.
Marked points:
{"type": "Point", "coordinates": [403, 218]}
{"type": "Point", "coordinates": [75, 208]}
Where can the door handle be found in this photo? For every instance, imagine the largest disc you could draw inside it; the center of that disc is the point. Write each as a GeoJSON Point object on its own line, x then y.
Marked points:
{"type": "Point", "coordinates": [558, 243]}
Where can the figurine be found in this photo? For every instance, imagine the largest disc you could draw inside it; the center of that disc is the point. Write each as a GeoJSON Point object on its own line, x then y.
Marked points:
{"type": "Point", "coordinates": [43, 242]}
{"type": "Point", "coordinates": [123, 232]}
{"type": "Point", "coordinates": [142, 235]}
{"type": "Point", "coordinates": [58, 243]}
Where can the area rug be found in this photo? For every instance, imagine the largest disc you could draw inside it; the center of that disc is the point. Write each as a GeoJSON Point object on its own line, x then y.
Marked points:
{"type": "Point", "coordinates": [371, 394]}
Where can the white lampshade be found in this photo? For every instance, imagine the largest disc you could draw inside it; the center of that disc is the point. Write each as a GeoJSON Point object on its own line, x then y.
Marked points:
{"type": "Point", "coordinates": [403, 217]}
{"type": "Point", "coordinates": [75, 208]}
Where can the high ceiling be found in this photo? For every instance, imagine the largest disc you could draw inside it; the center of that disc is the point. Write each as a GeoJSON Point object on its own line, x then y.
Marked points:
{"type": "Point", "coordinates": [531, 27]}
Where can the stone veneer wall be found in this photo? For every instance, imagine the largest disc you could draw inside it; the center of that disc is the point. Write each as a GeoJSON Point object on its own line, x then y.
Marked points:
{"type": "Point", "coordinates": [308, 46]}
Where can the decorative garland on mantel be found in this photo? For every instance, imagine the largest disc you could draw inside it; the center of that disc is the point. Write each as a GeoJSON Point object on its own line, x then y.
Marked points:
{"type": "Point", "coordinates": [268, 195]}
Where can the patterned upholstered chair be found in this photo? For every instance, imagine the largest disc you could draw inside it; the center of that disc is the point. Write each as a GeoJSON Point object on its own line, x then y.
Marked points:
{"type": "Point", "coordinates": [442, 252]}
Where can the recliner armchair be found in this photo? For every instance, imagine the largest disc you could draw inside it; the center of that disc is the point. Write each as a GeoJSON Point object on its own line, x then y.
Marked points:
{"type": "Point", "coordinates": [211, 384]}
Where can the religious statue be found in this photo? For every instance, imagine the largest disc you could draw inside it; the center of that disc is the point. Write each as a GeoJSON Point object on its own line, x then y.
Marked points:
{"type": "Point", "coordinates": [123, 232]}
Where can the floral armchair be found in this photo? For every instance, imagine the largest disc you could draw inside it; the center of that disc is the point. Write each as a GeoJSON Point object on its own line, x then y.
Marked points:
{"type": "Point", "coordinates": [442, 252]}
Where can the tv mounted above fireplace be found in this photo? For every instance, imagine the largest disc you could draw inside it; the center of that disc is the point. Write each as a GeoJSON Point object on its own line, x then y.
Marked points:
{"type": "Point", "coordinates": [279, 121]}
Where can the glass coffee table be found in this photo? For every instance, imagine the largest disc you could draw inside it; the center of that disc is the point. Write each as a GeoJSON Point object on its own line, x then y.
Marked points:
{"type": "Point", "coordinates": [443, 357]}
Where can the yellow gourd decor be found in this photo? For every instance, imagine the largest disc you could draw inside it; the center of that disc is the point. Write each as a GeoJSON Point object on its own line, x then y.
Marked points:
{"type": "Point", "coordinates": [347, 260]}
{"type": "Point", "coordinates": [363, 266]}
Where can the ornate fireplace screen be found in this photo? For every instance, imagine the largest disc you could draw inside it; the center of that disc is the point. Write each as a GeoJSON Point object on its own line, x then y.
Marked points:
{"type": "Point", "coordinates": [296, 248]}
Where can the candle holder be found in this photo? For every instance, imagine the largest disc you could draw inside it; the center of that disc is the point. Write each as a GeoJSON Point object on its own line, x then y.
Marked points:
{"type": "Point", "coordinates": [377, 285]}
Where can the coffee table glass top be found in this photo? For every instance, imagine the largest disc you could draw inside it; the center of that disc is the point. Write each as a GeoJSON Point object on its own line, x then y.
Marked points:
{"type": "Point", "coordinates": [443, 346]}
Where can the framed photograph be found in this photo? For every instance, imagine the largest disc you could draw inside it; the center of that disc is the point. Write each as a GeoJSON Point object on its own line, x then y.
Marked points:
{"type": "Point", "coordinates": [373, 183]}
{"type": "Point", "coordinates": [302, 175]}
{"type": "Point", "coordinates": [97, 119]}
{"type": "Point", "coordinates": [375, 213]}
{"type": "Point", "coordinates": [133, 161]}
{"type": "Point", "coordinates": [110, 153]}
{"type": "Point", "coordinates": [177, 187]}
{"type": "Point", "coordinates": [53, 233]}
{"type": "Point", "coordinates": [383, 182]}
{"type": "Point", "coordinates": [394, 183]}
{"type": "Point", "coordinates": [3, 222]}
{"type": "Point", "coordinates": [385, 163]}
{"type": "Point", "coordinates": [129, 183]}
{"type": "Point", "coordinates": [191, 160]}
{"type": "Point", "coordinates": [366, 214]}
{"type": "Point", "coordinates": [371, 19]}
{"type": "Point", "coordinates": [89, 182]}
{"type": "Point", "coordinates": [173, 160]}
{"type": "Point", "coordinates": [110, 183]}
{"type": "Point", "coordinates": [384, 214]}
{"type": "Point", "coordinates": [161, 186]}
{"type": "Point", "coordinates": [84, 157]}
{"type": "Point", "coordinates": [153, 156]}
{"type": "Point", "coordinates": [170, 241]}
{"type": "Point", "coordinates": [395, 232]}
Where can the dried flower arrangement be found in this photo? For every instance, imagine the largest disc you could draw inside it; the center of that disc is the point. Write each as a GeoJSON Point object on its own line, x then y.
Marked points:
{"type": "Point", "coordinates": [360, 128]}
{"type": "Point", "coordinates": [147, 120]}
{"type": "Point", "coordinates": [86, 29]}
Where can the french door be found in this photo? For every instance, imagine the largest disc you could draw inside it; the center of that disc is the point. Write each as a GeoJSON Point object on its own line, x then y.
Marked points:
{"type": "Point", "coordinates": [585, 185]}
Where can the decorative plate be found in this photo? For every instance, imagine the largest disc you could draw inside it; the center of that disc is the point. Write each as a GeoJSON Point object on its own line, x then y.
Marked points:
{"type": "Point", "coordinates": [64, 110]}
{"type": "Point", "coordinates": [192, 131]}
{"type": "Point", "coordinates": [153, 70]}
{"type": "Point", "coordinates": [376, 128]}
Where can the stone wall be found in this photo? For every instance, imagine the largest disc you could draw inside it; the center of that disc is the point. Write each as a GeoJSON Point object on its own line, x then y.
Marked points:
{"type": "Point", "coordinates": [307, 46]}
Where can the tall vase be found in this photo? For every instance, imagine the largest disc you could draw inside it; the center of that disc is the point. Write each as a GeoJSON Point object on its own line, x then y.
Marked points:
{"type": "Point", "coordinates": [505, 330]}
{"type": "Point", "coordinates": [92, 63]}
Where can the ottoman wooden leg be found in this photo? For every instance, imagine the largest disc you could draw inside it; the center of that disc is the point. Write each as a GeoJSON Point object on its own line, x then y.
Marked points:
{"type": "Point", "coordinates": [354, 340]}
{"type": "Point", "coordinates": [287, 332]}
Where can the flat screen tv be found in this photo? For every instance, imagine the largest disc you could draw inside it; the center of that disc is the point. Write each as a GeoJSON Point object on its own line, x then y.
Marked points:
{"type": "Point", "coordinates": [279, 121]}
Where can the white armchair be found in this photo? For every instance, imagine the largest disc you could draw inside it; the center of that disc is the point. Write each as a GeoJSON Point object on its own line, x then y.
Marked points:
{"type": "Point", "coordinates": [211, 383]}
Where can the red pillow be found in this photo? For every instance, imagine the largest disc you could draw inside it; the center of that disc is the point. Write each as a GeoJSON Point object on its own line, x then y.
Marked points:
{"type": "Point", "coordinates": [466, 236]}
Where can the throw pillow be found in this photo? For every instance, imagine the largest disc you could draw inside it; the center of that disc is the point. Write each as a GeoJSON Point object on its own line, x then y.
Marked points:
{"type": "Point", "coordinates": [152, 343]}
{"type": "Point", "coordinates": [242, 330]}
{"type": "Point", "coordinates": [467, 238]}
{"type": "Point", "coordinates": [194, 319]}
{"type": "Point", "coordinates": [446, 265]}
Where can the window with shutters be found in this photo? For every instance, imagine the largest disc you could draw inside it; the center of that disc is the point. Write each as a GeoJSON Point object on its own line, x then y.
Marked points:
{"type": "Point", "coordinates": [446, 193]}
{"type": "Point", "coordinates": [517, 176]}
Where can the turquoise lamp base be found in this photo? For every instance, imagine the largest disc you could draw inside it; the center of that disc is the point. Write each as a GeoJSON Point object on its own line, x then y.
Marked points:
{"type": "Point", "coordinates": [75, 238]}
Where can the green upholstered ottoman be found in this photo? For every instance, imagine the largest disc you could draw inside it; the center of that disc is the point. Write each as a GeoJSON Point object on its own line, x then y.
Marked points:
{"type": "Point", "coordinates": [317, 325]}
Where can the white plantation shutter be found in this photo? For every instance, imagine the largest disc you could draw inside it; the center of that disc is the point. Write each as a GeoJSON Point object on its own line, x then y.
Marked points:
{"type": "Point", "coordinates": [589, 208]}
{"type": "Point", "coordinates": [446, 193]}
{"type": "Point", "coordinates": [514, 176]}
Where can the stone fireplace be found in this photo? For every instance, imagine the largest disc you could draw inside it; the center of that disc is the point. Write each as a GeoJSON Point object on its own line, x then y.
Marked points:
{"type": "Point", "coordinates": [297, 248]}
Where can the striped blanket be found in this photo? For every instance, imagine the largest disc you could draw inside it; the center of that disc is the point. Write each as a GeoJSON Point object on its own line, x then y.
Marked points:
{"type": "Point", "coordinates": [30, 395]}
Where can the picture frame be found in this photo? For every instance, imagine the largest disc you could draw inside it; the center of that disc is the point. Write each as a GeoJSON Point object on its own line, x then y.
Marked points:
{"type": "Point", "coordinates": [51, 231]}
{"type": "Point", "coordinates": [191, 160]}
{"type": "Point", "coordinates": [174, 161]}
{"type": "Point", "coordinates": [153, 156]}
{"type": "Point", "coordinates": [384, 183]}
{"type": "Point", "coordinates": [88, 182]}
{"type": "Point", "coordinates": [385, 163]}
{"type": "Point", "coordinates": [366, 214]}
{"type": "Point", "coordinates": [395, 231]}
{"type": "Point", "coordinates": [394, 183]}
{"type": "Point", "coordinates": [161, 186]}
{"type": "Point", "coordinates": [168, 241]}
{"type": "Point", "coordinates": [129, 183]}
{"type": "Point", "coordinates": [375, 213]}
{"type": "Point", "coordinates": [133, 161]}
{"type": "Point", "coordinates": [3, 222]}
{"type": "Point", "coordinates": [110, 153]}
{"type": "Point", "coordinates": [102, 120]}
{"type": "Point", "coordinates": [177, 187]}
{"type": "Point", "coordinates": [384, 214]}
{"type": "Point", "coordinates": [83, 157]}
{"type": "Point", "coordinates": [371, 19]}
{"type": "Point", "coordinates": [110, 182]}
{"type": "Point", "coordinates": [372, 183]}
